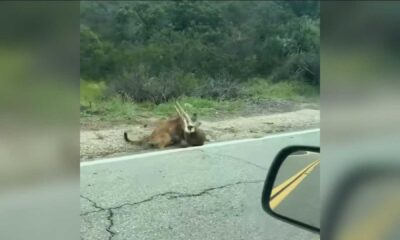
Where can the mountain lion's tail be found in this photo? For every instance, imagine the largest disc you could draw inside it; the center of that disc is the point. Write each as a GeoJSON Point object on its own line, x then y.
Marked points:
{"type": "Point", "coordinates": [131, 141]}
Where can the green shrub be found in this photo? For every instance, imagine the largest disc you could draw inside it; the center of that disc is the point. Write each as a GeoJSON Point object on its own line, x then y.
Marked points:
{"type": "Point", "coordinates": [91, 91]}
{"type": "Point", "coordinates": [257, 89]}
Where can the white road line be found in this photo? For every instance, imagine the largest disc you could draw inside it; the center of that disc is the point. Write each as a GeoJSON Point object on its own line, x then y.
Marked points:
{"type": "Point", "coordinates": [210, 145]}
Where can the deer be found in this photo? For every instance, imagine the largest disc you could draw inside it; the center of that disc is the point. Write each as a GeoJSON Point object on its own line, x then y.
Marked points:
{"type": "Point", "coordinates": [174, 131]}
{"type": "Point", "coordinates": [192, 134]}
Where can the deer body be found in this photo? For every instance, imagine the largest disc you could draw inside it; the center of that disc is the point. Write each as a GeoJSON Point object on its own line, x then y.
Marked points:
{"type": "Point", "coordinates": [192, 134]}
{"type": "Point", "coordinates": [195, 139]}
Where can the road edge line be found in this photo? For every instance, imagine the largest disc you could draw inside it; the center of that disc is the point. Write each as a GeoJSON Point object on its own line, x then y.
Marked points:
{"type": "Point", "coordinates": [210, 145]}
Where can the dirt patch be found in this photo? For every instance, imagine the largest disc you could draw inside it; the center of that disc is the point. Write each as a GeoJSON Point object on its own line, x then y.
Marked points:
{"type": "Point", "coordinates": [107, 140]}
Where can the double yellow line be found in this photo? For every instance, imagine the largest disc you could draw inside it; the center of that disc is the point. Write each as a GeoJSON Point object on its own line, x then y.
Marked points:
{"type": "Point", "coordinates": [280, 192]}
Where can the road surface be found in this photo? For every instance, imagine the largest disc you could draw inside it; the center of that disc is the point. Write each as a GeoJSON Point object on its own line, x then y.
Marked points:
{"type": "Point", "coordinates": [208, 192]}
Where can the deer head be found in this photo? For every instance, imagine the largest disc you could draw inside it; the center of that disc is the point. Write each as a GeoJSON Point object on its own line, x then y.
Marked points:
{"type": "Point", "coordinates": [188, 123]}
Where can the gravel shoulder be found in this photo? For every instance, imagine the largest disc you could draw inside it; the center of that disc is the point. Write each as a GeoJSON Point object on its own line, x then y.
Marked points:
{"type": "Point", "coordinates": [106, 140]}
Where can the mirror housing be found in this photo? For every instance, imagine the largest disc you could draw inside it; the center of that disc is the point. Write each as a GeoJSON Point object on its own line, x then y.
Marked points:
{"type": "Point", "coordinates": [270, 180]}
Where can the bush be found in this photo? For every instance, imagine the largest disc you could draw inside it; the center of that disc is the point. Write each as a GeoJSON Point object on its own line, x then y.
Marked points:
{"type": "Point", "coordinates": [91, 91]}
{"type": "Point", "coordinates": [139, 87]}
{"type": "Point", "coordinates": [220, 88]}
{"type": "Point", "coordinates": [301, 67]}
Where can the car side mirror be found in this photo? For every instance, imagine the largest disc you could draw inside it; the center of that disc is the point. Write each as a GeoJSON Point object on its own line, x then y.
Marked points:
{"type": "Point", "coordinates": [291, 191]}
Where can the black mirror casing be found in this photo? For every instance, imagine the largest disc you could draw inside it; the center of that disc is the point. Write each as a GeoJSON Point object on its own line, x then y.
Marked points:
{"type": "Point", "coordinates": [269, 182]}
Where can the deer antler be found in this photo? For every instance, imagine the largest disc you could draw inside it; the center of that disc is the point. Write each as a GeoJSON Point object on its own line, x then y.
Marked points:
{"type": "Point", "coordinates": [185, 117]}
{"type": "Point", "coordinates": [178, 111]}
{"type": "Point", "coordinates": [183, 112]}
{"type": "Point", "coordinates": [180, 114]}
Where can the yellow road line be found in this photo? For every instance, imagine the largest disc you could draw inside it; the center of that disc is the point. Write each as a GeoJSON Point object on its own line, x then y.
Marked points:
{"type": "Point", "coordinates": [280, 192]}
{"type": "Point", "coordinates": [288, 181]}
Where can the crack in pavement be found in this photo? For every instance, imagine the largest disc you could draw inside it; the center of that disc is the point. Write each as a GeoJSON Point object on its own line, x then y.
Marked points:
{"type": "Point", "coordinates": [169, 195]}
{"type": "Point", "coordinates": [99, 209]}
{"type": "Point", "coordinates": [206, 191]}
{"type": "Point", "coordinates": [94, 204]}
{"type": "Point", "coordinates": [111, 221]}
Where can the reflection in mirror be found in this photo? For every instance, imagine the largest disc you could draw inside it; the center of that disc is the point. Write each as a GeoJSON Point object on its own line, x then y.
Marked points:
{"type": "Point", "coordinates": [295, 193]}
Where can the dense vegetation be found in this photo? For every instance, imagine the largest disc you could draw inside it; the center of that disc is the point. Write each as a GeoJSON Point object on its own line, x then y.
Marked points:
{"type": "Point", "coordinates": [136, 57]}
{"type": "Point", "coordinates": [155, 51]}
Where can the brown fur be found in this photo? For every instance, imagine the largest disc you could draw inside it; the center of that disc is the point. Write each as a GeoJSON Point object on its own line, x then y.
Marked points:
{"type": "Point", "coordinates": [165, 134]}
{"type": "Point", "coordinates": [173, 131]}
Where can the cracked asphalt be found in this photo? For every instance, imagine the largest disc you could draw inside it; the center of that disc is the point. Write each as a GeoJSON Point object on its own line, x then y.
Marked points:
{"type": "Point", "coordinates": [210, 192]}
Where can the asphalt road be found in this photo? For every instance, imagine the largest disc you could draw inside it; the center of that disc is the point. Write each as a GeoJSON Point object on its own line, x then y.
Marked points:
{"type": "Point", "coordinates": [209, 192]}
